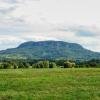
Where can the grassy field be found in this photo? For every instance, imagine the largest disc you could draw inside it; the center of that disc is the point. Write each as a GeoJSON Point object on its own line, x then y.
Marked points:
{"type": "Point", "coordinates": [50, 84]}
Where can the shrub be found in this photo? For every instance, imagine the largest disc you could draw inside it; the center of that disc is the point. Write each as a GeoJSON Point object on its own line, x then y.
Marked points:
{"type": "Point", "coordinates": [7, 65]}
{"type": "Point", "coordinates": [41, 64]}
{"type": "Point", "coordinates": [45, 64]}
{"type": "Point", "coordinates": [68, 64]}
{"type": "Point", "coordinates": [52, 65]}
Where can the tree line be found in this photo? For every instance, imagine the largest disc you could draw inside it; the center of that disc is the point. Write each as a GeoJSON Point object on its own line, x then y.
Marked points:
{"type": "Point", "coordinates": [30, 63]}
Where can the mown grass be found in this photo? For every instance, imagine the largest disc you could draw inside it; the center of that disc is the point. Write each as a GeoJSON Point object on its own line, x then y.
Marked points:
{"type": "Point", "coordinates": [50, 84]}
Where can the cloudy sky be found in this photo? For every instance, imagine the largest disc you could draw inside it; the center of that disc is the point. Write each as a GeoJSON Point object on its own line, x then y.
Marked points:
{"type": "Point", "coordinates": [75, 21]}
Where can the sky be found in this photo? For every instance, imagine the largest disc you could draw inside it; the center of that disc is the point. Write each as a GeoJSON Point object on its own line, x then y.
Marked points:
{"type": "Point", "coordinates": [75, 21]}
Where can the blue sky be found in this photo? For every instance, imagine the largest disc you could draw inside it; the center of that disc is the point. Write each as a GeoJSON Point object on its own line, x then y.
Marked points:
{"type": "Point", "coordinates": [38, 20]}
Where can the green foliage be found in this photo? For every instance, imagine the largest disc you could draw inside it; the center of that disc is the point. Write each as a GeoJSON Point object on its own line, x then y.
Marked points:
{"type": "Point", "coordinates": [27, 65]}
{"type": "Point", "coordinates": [1, 66]}
{"type": "Point", "coordinates": [21, 65]}
{"type": "Point", "coordinates": [52, 65]}
{"type": "Point", "coordinates": [8, 64]}
{"type": "Point", "coordinates": [41, 64]}
{"type": "Point", "coordinates": [68, 64]}
{"type": "Point", "coordinates": [94, 63]}
{"type": "Point", "coordinates": [49, 50]}
{"type": "Point", "coordinates": [45, 64]}
{"type": "Point", "coordinates": [15, 66]}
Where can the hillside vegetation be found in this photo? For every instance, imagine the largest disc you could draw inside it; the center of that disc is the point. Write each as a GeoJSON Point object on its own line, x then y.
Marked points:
{"type": "Point", "coordinates": [49, 50]}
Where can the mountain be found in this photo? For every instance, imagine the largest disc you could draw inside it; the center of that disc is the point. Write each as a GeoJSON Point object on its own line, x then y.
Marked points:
{"type": "Point", "coordinates": [49, 50]}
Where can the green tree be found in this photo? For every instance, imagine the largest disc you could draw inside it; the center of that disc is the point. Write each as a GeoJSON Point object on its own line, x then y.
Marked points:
{"type": "Point", "coordinates": [41, 64]}
{"type": "Point", "coordinates": [45, 64]}
{"type": "Point", "coordinates": [6, 65]}
{"type": "Point", "coordinates": [52, 65]}
{"type": "Point", "coordinates": [68, 64]}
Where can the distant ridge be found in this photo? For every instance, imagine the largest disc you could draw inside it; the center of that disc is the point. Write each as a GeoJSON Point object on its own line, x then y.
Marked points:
{"type": "Point", "coordinates": [49, 50]}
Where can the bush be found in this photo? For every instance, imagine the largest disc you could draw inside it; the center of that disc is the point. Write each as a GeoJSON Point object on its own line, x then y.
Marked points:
{"type": "Point", "coordinates": [7, 66]}
{"type": "Point", "coordinates": [45, 64]}
{"type": "Point", "coordinates": [15, 66]}
{"type": "Point", "coordinates": [21, 65]}
{"type": "Point", "coordinates": [1, 66]}
{"type": "Point", "coordinates": [52, 65]}
{"type": "Point", "coordinates": [68, 64]}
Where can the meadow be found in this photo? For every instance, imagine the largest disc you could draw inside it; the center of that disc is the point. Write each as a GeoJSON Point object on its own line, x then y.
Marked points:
{"type": "Point", "coordinates": [50, 84]}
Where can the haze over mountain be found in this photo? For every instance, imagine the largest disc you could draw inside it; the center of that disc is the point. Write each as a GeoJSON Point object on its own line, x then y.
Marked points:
{"type": "Point", "coordinates": [49, 50]}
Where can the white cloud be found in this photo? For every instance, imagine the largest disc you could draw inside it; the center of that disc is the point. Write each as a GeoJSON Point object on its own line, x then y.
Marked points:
{"type": "Point", "coordinates": [9, 41]}
{"type": "Point", "coordinates": [26, 20]}
{"type": "Point", "coordinates": [87, 42]}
